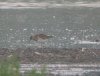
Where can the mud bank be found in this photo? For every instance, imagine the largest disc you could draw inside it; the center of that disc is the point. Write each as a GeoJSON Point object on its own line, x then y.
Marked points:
{"type": "Point", "coordinates": [53, 55]}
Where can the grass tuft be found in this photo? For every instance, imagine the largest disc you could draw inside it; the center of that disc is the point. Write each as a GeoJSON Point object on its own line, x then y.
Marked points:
{"type": "Point", "coordinates": [34, 72]}
{"type": "Point", "coordinates": [11, 66]}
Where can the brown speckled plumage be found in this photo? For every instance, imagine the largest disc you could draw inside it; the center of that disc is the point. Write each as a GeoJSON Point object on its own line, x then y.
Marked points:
{"type": "Point", "coordinates": [40, 36]}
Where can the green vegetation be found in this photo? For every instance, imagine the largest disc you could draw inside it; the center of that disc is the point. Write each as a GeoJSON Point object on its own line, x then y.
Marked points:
{"type": "Point", "coordinates": [11, 65]}
{"type": "Point", "coordinates": [33, 72]}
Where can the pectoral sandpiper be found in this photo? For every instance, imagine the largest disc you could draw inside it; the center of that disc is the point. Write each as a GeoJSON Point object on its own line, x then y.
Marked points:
{"type": "Point", "coordinates": [40, 37]}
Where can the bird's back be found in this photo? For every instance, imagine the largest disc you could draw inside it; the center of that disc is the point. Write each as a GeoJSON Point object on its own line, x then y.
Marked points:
{"type": "Point", "coordinates": [40, 37]}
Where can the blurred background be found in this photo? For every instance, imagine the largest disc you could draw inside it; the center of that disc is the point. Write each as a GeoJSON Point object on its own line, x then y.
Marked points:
{"type": "Point", "coordinates": [58, 1]}
{"type": "Point", "coordinates": [67, 25]}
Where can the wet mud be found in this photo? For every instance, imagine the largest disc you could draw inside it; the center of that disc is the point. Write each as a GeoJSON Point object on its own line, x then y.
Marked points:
{"type": "Point", "coordinates": [52, 55]}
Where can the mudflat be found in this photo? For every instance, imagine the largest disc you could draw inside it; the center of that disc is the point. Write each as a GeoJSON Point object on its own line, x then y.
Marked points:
{"type": "Point", "coordinates": [52, 55]}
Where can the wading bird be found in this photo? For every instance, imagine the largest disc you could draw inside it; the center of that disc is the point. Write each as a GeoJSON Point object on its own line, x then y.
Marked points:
{"type": "Point", "coordinates": [40, 37]}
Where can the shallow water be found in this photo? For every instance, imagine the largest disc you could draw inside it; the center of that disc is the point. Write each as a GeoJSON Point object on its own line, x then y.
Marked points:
{"type": "Point", "coordinates": [64, 69]}
{"type": "Point", "coordinates": [67, 25]}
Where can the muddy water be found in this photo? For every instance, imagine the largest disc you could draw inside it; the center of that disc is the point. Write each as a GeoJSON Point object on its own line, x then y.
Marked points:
{"type": "Point", "coordinates": [66, 25]}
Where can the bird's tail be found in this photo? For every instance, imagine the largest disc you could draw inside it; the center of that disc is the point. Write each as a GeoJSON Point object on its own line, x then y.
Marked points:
{"type": "Point", "coordinates": [50, 36]}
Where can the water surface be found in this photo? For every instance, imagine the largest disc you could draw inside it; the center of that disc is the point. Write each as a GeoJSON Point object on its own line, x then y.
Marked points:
{"type": "Point", "coordinates": [67, 25]}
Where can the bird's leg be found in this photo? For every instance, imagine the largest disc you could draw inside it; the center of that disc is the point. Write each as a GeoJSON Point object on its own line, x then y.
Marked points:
{"type": "Point", "coordinates": [29, 40]}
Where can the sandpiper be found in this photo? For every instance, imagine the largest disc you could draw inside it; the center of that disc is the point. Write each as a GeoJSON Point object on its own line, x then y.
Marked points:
{"type": "Point", "coordinates": [40, 37]}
